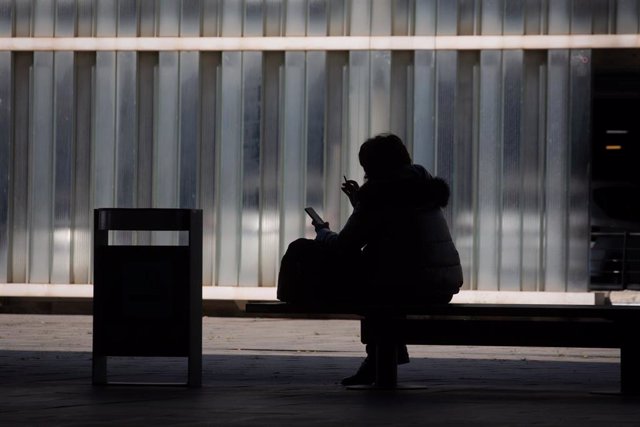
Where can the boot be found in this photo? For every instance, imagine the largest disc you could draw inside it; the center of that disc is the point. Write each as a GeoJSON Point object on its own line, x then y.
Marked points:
{"type": "Point", "coordinates": [366, 374]}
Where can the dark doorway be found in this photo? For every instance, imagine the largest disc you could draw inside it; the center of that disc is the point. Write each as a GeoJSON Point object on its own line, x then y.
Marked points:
{"type": "Point", "coordinates": [615, 170]}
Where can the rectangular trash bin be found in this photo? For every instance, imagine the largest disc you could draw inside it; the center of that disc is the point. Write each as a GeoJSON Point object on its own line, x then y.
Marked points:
{"type": "Point", "coordinates": [147, 300]}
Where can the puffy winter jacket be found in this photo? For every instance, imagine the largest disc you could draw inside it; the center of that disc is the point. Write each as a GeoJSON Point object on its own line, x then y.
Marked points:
{"type": "Point", "coordinates": [407, 251]}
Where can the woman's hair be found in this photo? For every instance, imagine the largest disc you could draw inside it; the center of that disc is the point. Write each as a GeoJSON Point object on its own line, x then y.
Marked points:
{"type": "Point", "coordinates": [383, 155]}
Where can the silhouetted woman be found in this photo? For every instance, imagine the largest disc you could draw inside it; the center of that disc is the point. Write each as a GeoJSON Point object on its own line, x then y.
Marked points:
{"type": "Point", "coordinates": [395, 248]}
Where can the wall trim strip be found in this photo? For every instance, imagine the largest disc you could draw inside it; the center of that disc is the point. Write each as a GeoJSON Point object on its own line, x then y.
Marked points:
{"type": "Point", "coordinates": [239, 293]}
{"type": "Point", "coordinates": [532, 42]}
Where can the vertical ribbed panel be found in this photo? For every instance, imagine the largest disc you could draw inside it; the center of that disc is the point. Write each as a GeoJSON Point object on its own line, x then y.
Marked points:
{"type": "Point", "coordinates": [63, 157]}
{"type": "Point", "coordinates": [250, 166]}
{"type": "Point", "coordinates": [424, 74]}
{"type": "Point", "coordinates": [465, 158]}
{"type": "Point", "coordinates": [166, 182]}
{"type": "Point", "coordinates": [336, 138]}
{"type": "Point", "coordinates": [64, 144]}
{"type": "Point", "coordinates": [293, 164]}
{"type": "Point", "coordinates": [489, 167]}
{"type": "Point", "coordinates": [315, 89]}
{"type": "Point", "coordinates": [6, 113]}
{"type": "Point", "coordinates": [446, 78]}
{"type": "Point", "coordinates": [511, 180]}
{"type": "Point", "coordinates": [208, 166]}
{"type": "Point", "coordinates": [270, 167]}
{"type": "Point", "coordinates": [81, 225]}
{"type": "Point", "coordinates": [6, 102]}
{"type": "Point", "coordinates": [41, 202]}
{"type": "Point", "coordinates": [229, 160]}
{"type": "Point", "coordinates": [556, 171]}
{"type": "Point", "coordinates": [358, 117]}
{"type": "Point", "coordinates": [41, 169]}
{"type": "Point", "coordinates": [580, 113]}
{"type": "Point", "coordinates": [380, 92]}
{"type": "Point", "coordinates": [627, 16]}
{"type": "Point", "coordinates": [253, 137]}
{"type": "Point", "coordinates": [20, 166]}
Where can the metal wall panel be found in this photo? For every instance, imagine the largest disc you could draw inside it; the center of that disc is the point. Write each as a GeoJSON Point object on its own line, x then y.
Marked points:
{"type": "Point", "coordinates": [229, 160]}
{"type": "Point", "coordinates": [165, 194]}
{"type": "Point", "coordinates": [188, 131]}
{"type": "Point", "coordinates": [511, 209]}
{"type": "Point", "coordinates": [315, 129]}
{"type": "Point", "coordinates": [558, 18]}
{"type": "Point", "coordinates": [64, 163]}
{"type": "Point", "coordinates": [317, 18]}
{"type": "Point", "coordinates": [6, 102]}
{"type": "Point", "coordinates": [578, 216]}
{"type": "Point", "coordinates": [446, 79]}
{"type": "Point", "coordinates": [209, 89]}
{"type": "Point", "coordinates": [465, 158]}
{"type": "Point", "coordinates": [424, 83]}
{"type": "Point", "coordinates": [6, 124]}
{"type": "Point", "coordinates": [270, 168]}
{"type": "Point", "coordinates": [360, 18]}
{"type": "Point", "coordinates": [380, 93]}
{"type": "Point", "coordinates": [292, 178]}
{"type": "Point", "coordinates": [41, 169]}
{"type": "Point", "coordinates": [252, 105]}
{"type": "Point", "coordinates": [23, 18]}
{"type": "Point", "coordinates": [64, 144]}
{"type": "Point", "coordinates": [492, 17]}
{"type": "Point", "coordinates": [557, 165]}
{"type": "Point", "coordinates": [425, 17]}
{"type": "Point", "coordinates": [252, 137]}
{"type": "Point", "coordinates": [627, 16]}
{"type": "Point", "coordinates": [20, 166]}
{"type": "Point", "coordinates": [358, 117]}
{"type": "Point", "coordinates": [532, 171]}
{"type": "Point", "coordinates": [81, 225]}
{"type": "Point", "coordinates": [250, 164]}
{"type": "Point", "coordinates": [337, 92]}
{"type": "Point", "coordinates": [295, 23]}
{"type": "Point", "coordinates": [489, 167]}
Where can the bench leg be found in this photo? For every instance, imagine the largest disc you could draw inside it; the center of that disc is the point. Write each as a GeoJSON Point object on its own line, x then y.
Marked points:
{"type": "Point", "coordinates": [630, 369]}
{"type": "Point", "coordinates": [386, 365]}
{"type": "Point", "coordinates": [99, 370]}
{"type": "Point", "coordinates": [195, 371]}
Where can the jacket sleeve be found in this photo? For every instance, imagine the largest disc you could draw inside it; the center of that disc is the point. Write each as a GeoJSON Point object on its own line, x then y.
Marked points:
{"type": "Point", "coordinates": [354, 234]}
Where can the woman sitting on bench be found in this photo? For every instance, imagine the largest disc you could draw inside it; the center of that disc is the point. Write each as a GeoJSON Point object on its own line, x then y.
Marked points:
{"type": "Point", "coordinates": [395, 249]}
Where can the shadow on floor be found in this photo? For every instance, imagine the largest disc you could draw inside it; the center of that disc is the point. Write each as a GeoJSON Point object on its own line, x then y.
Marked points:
{"type": "Point", "coordinates": [54, 388]}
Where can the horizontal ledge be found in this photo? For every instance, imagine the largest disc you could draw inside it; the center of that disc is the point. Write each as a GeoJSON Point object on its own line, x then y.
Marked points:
{"type": "Point", "coordinates": [40, 290]}
{"type": "Point", "coordinates": [599, 41]}
{"type": "Point", "coordinates": [254, 293]}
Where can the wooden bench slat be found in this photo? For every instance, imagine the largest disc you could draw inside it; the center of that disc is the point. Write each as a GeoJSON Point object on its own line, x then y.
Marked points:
{"type": "Point", "coordinates": [497, 310]}
{"type": "Point", "coordinates": [518, 333]}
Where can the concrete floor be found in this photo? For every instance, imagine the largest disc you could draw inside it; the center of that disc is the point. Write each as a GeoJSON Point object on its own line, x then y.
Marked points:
{"type": "Point", "coordinates": [277, 372]}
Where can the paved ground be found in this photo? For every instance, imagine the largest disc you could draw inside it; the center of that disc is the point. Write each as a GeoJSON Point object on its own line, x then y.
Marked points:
{"type": "Point", "coordinates": [285, 372]}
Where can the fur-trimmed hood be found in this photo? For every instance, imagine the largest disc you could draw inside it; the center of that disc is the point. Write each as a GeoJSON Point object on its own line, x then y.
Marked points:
{"type": "Point", "coordinates": [412, 187]}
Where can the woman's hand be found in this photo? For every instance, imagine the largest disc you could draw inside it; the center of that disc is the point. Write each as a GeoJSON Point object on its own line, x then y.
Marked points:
{"type": "Point", "coordinates": [320, 225]}
{"type": "Point", "coordinates": [350, 188]}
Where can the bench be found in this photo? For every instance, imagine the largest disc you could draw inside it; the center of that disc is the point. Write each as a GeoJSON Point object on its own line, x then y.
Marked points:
{"type": "Point", "coordinates": [484, 325]}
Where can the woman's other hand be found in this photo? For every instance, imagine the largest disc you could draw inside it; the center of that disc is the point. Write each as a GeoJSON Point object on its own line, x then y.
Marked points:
{"type": "Point", "coordinates": [350, 188]}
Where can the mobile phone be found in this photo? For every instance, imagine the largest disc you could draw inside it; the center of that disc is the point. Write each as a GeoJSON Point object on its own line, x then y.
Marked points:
{"type": "Point", "coordinates": [314, 215]}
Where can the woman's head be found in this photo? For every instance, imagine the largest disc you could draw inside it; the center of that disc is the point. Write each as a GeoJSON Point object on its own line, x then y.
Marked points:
{"type": "Point", "coordinates": [383, 155]}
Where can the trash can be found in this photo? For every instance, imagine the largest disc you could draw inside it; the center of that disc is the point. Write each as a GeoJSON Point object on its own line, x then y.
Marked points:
{"type": "Point", "coordinates": [147, 299]}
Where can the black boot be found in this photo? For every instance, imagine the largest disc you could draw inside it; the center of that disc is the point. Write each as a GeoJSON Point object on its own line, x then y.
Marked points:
{"type": "Point", "coordinates": [366, 374]}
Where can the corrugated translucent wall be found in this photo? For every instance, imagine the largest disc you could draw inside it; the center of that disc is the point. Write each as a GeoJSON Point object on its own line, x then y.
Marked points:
{"type": "Point", "coordinates": [252, 137]}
